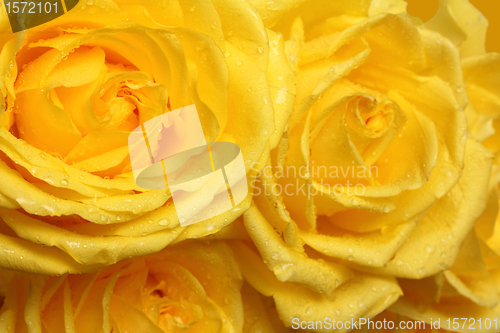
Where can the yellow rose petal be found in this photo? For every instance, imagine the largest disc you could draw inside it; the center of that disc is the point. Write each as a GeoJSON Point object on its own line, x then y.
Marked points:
{"type": "Point", "coordinates": [463, 24]}
{"type": "Point", "coordinates": [481, 74]}
{"type": "Point", "coordinates": [387, 6]}
{"type": "Point", "coordinates": [446, 225]}
{"type": "Point", "coordinates": [289, 264]}
{"type": "Point", "coordinates": [59, 134]}
{"type": "Point", "coordinates": [364, 248]}
{"type": "Point", "coordinates": [131, 319]}
{"type": "Point", "coordinates": [362, 296]}
{"type": "Point", "coordinates": [96, 143]}
{"type": "Point", "coordinates": [282, 85]}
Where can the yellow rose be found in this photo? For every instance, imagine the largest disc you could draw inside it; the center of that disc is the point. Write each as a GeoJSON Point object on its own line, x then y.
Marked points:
{"type": "Point", "coordinates": [189, 287]}
{"type": "Point", "coordinates": [75, 87]}
{"type": "Point", "coordinates": [378, 173]}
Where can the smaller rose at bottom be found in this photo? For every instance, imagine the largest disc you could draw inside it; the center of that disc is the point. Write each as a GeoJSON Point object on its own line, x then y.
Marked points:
{"type": "Point", "coordinates": [190, 287]}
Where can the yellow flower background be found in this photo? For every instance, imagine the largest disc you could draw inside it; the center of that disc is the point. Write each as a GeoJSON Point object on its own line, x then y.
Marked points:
{"type": "Point", "coordinates": [371, 142]}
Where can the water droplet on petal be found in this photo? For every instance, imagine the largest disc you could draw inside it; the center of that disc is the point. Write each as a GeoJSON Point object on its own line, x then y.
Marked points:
{"type": "Point", "coordinates": [164, 222]}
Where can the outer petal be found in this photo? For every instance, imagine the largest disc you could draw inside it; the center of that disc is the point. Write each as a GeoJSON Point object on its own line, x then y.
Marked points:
{"type": "Point", "coordinates": [463, 24]}
{"type": "Point", "coordinates": [363, 296]}
{"type": "Point", "coordinates": [279, 14]}
{"type": "Point", "coordinates": [449, 221]}
{"type": "Point", "coordinates": [481, 74]}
